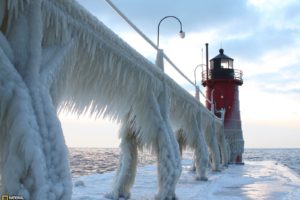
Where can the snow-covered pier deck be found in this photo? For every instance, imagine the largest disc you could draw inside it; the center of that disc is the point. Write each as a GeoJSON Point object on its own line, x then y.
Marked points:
{"type": "Point", "coordinates": [254, 180]}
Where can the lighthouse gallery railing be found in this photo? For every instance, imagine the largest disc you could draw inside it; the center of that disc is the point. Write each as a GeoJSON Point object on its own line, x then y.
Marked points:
{"type": "Point", "coordinates": [210, 74]}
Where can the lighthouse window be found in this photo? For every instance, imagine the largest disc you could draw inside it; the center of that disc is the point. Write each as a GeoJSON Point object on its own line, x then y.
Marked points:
{"type": "Point", "coordinates": [225, 64]}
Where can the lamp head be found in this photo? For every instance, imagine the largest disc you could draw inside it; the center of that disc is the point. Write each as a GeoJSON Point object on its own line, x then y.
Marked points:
{"type": "Point", "coordinates": [181, 34]}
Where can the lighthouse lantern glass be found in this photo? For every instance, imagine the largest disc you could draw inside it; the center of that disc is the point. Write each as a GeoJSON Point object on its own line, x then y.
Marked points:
{"type": "Point", "coordinates": [228, 64]}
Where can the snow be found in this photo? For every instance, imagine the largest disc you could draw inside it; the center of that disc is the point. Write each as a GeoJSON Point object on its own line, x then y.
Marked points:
{"type": "Point", "coordinates": [254, 180]}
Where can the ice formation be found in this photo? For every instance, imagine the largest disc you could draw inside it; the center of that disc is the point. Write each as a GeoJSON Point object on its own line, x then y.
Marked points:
{"type": "Point", "coordinates": [56, 56]}
{"type": "Point", "coordinates": [255, 180]}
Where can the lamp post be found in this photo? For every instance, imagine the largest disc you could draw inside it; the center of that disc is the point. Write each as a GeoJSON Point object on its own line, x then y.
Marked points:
{"type": "Point", "coordinates": [160, 54]}
{"type": "Point", "coordinates": [181, 32]}
{"type": "Point", "coordinates": [197, 96]}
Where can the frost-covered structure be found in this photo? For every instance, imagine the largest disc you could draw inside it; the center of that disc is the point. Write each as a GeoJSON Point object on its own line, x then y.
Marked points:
{"type": "Point", "coordinates": [34, 162]}
{"type": "Point", "coordinates": [55, 55]}
{"type": "Point", "coordinates": [222, 142]}
{"type": "Point", "coordinates": [199, 129]}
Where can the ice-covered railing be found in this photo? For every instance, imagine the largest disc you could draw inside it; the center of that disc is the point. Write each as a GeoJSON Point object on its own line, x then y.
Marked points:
{"type": "Point", "coordinates": [156, 48]}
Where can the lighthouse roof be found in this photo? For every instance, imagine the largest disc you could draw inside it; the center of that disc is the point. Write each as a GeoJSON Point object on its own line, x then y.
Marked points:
{"type": "Point", "coordinates": [222, 56]}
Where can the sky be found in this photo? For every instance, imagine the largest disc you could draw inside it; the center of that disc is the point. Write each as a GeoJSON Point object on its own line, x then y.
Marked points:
{"type": "Point", "coordinates": [262, 36]}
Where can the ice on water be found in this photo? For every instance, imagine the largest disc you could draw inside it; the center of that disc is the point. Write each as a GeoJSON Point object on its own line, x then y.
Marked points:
{"type": "Point", "coordinates": [254, 180]}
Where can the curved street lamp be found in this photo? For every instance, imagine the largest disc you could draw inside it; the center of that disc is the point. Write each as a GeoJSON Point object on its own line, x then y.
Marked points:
{"type": "Point", "coordinates": [159, 57]}
{"type": "Point", "coordinates": [181, 32]}
{"type": "Point", "coordinates": [197, 96]}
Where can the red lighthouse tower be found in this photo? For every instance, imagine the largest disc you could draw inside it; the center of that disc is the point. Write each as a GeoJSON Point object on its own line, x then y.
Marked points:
{"type": "Point", "coordinates": [221, 81]}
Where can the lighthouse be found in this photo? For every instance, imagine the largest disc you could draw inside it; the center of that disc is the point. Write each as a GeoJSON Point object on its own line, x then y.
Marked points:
{"type": "Point", "coordinates": [222, 83]}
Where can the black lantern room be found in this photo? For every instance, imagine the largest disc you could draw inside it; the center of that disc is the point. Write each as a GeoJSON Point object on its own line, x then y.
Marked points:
{"type": "Point", "coordinates": [221, 66]}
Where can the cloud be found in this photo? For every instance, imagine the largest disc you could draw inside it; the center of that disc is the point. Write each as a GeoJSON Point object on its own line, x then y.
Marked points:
{"type": "Point", "coordinates": [285, 81]}
{"type": "Point", "coordinates": [260, 42]}
{"type": "Point", "coordinates": [292, 14]}
{"type": "Point", "coordinates": [195, 15]}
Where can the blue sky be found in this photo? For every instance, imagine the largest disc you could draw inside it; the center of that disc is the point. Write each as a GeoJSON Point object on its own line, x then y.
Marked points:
{"type": "Point", "coordinates": [263, 37]}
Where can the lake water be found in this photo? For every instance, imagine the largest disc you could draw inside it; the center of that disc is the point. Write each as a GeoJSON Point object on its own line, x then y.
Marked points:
{"type": "Point", "coordinates": [86, 161]}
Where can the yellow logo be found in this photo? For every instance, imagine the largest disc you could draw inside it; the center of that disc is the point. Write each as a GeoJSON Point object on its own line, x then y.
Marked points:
{"type": "Point", "coordinates": [5, 197]}
{"type": "Point", "coordinates": [9, 197]}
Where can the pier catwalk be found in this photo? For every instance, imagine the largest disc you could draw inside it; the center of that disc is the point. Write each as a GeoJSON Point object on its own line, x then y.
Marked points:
{"type": "Point", "coordinates": [254, 180]}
